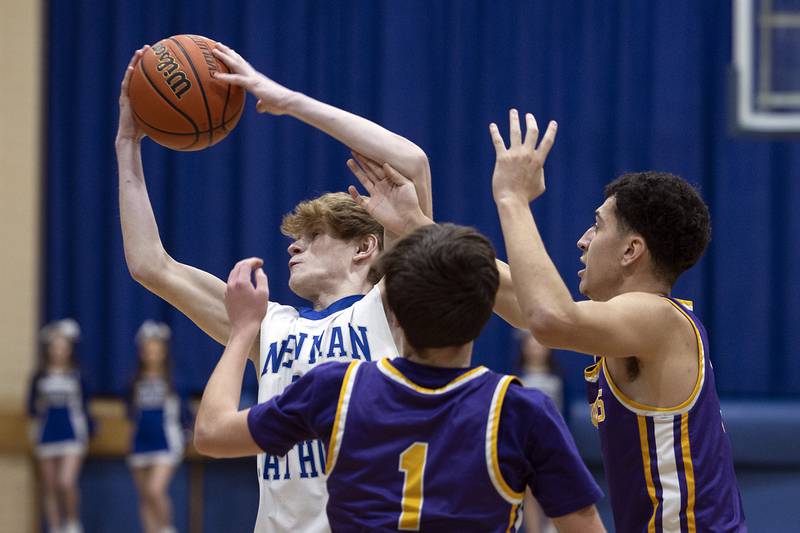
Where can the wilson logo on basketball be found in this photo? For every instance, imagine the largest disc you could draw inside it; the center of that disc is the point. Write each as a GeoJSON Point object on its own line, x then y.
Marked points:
{"type": "Point", "coordinates": [169, 67]}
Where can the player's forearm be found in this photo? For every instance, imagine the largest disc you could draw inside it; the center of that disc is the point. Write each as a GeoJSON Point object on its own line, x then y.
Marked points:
{"type": "Point", "coordinates": [144, 253]}
{"type": "Point", "coordinates": [220, 402]}
{"type": "Point", "coordinates": [369, 139]}
{"type": "Point", "coordinates": [506, 305]}
{"type": "Point", "coordinates": [545, 301]}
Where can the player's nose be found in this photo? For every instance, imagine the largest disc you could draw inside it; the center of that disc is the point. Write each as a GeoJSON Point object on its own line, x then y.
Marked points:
{"type": "Point", "coordinates": [294, 248]}
{"type": "Point", "coordinates": [586, 238]}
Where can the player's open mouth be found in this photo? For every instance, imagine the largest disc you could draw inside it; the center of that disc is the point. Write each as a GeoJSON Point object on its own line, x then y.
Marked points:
{"type": "Point", "coordinates": [581, 272]}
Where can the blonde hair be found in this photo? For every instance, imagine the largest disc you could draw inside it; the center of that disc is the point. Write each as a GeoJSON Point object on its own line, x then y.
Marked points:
{"type": "Point", "coordinates": [335, 213]}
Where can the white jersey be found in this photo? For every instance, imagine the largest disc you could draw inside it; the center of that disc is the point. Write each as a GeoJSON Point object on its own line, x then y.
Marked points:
{"type": "Point", "coordinates": [292, 490]}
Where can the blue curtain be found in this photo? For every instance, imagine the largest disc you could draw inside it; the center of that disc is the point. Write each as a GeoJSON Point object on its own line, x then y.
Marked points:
{"type": "Point", "coordinates": [634, 85]}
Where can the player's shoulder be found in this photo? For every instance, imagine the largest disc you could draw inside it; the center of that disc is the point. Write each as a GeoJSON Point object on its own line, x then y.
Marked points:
{"type": "Point", "coordinates": [527, 399]}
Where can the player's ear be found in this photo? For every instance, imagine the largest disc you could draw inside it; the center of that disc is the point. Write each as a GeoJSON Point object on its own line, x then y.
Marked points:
{"type": "Point", "coordinates": [635, 247]}
{"type": "Point", "coordinates": [367, 247]}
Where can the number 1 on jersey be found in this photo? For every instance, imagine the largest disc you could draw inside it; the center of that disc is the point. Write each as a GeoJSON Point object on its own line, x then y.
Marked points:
{"type": "Point", "coordinates": [412, 465]}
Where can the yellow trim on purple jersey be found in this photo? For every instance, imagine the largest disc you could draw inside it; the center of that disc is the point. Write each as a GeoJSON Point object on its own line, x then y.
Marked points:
{"type": "Point", "coordinates": [385, 366]}
{"type": "Point", "coordinates": [688, 472]}
{"type": "Point", "coordinates": [640, 408]}
{"type": "Point", "coordinates": [591, 373]}
{"type": "Point", "coordinates": [510, 495]}
{"type": "Point", "coordinates": [512, 518]}
{"type": "Point", "coordinates": [648, 475]}
{"type": "Point", "coordinates": [341, 415]}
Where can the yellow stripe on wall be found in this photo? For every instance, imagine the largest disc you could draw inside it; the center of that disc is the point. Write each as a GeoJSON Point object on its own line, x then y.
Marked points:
{"type": "Point", "coordinates": [648, 476]}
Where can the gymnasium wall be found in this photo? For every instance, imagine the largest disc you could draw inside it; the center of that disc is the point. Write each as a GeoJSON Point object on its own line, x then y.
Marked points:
{"type": "Point", "coordinates": [634, 85]}
{"type": "Point", "coordinates": [20, 162]}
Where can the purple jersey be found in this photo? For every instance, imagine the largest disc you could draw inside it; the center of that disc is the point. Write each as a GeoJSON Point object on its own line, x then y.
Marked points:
{"type": "Point", "coordinates": [419, 448]}
{"type": "Point", "coordinates": [668, 469]}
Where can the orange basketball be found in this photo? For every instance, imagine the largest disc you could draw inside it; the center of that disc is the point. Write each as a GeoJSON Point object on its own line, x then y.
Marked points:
{"type": "Point", "coordinates": [175, 99]}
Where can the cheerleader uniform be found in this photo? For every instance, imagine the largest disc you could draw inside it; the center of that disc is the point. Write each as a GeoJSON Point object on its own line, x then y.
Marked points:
{"type": "Point", "coordinates": [57, 406]}
{"type": "Point", "coordinates": [156, 412]}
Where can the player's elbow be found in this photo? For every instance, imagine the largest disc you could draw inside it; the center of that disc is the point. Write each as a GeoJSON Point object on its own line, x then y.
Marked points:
{"type": "Point", "coordinates": [418, 161]}
{"type": "Point", "coordinates": [147, 269]}
{"type": "Point", "coordinates": [206, 439]}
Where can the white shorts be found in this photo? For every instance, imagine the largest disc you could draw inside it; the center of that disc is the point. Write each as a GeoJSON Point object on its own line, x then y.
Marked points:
{"type": "Point", "coordinates": [60, 448]}
{"type": "Point", "coordinates": [161, 457]}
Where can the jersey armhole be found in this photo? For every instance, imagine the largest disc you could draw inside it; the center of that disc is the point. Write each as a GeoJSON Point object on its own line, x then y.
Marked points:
{"type": "Point", "coordinates": [339, 420]}
{"type": "Point", "coordinates": [492, 429]}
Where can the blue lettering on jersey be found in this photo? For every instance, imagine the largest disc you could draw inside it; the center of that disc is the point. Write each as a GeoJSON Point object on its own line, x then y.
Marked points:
{"type": "Point", "coordinates": [359, 342]}
{"type": "Point", "coordinates": [287, 348]}
{"type": "Point", "coordinates": [312, 462]}
{"type": "Point", "coordinates": [305, 451]}
{"type": "Point", "coordinates": [274, 358]}
{"type": "Point", "coordinates": [316, 349]}
{"type": "Point", "coordinates": [321, 450]}
{"type": "Point", "coordinates": [291, 348]}
{"type": "Point", "coordinates": [337, 342]}
{"type": "Point", "coordinates": [271, 463]}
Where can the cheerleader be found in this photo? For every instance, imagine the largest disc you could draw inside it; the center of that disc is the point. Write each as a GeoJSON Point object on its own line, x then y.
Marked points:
{"type": "Point", "coordinates": [158, 441]}
{"type": "Point", "coordinates": [59, 428]}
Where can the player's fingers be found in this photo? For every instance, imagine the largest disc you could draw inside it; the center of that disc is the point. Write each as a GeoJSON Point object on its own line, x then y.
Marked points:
{"type": "Point", "coordinates": [247, 268]}
{"type": "Point", "coordinates": [360, 175]}
{"type": "Point", "coordinates": [375, 169]}
{"type": "Point", "coordinates": [368, 171]}
{"type": "Point", "coordinates": [372, 169]}
{"type": "Point", "coordinates": [360, 200]}
{"type": "Point", "coordinates": [261, 106]}
{"type": "Point", "coordinates": [548, 139]}
{"type": "Point", "coordinates": [261, 279]}
{"type": "Point", "coordinates": [515, 135]}
{"type": "Point", "coordinates": [225, 52]}
{"type": "Point", "coordinates": [394, 176]}
{"type": "Point", "coordinates": [233, 79]}
{"type": "Point", "coordinates": [497, 139]}
{"type": "Point", "coordinates": [137, 56]}
{"type": "Point", "coordinates": [234, 273]}
{"type": "Point", "coordinates": [531, 130]}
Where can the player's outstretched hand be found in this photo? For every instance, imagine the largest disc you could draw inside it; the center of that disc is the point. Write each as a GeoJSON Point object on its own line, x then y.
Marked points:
{"type": "Point", "coordinates": [246, 302]}
{"type": "Point", "coordinates": [272, 97]}
{"type": "Point", "coordinates": [392, 199]}
{"type": "Point", "coordinates": [519, 169]}
{"type": "Point", "coordinates": [128, 128]}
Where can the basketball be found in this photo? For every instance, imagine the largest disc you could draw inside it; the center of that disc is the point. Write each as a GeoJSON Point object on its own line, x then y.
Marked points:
{"type": "Point", "coordinates": [175, 98]}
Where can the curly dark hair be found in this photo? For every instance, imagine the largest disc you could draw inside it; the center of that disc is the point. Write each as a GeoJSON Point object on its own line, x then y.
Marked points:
{"type": "Point", "coordinates": [669, 213]}
{"type": "Point", "coordinates": [441, 283]}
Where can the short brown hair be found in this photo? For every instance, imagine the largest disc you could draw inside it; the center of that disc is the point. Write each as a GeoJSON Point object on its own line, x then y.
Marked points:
{"type": "Point", "coordinates": [669, 213]}
{"type": "Point", "coordinates": [441, 283]}
{"type": "Point", "coordinates": [335, 213]}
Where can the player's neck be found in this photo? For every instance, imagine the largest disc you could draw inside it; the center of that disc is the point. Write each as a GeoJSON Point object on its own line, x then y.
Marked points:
{"type": "Point", "coordinates": [650, 284]}
{"type": "Point", "coordinates": [447, 357]}
{"type": "Point", "coordinates": [342, 290]}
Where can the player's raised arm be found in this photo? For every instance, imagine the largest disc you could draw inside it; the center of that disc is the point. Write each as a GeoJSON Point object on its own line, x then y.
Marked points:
{"type": "Point", "coordinates": [623, 326]}
{"type": "Point", "coordinates": [197, 294]}
{"type": "Point", "coordinates": [221, 430]}
{"type": "Point", "coordinates": [392, 201]}
{"type": "Point", "coordinates": [359, 134]}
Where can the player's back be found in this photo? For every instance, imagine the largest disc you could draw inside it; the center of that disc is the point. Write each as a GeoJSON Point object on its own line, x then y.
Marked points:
{"type": "Point", "coordinates": [403, 456]}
